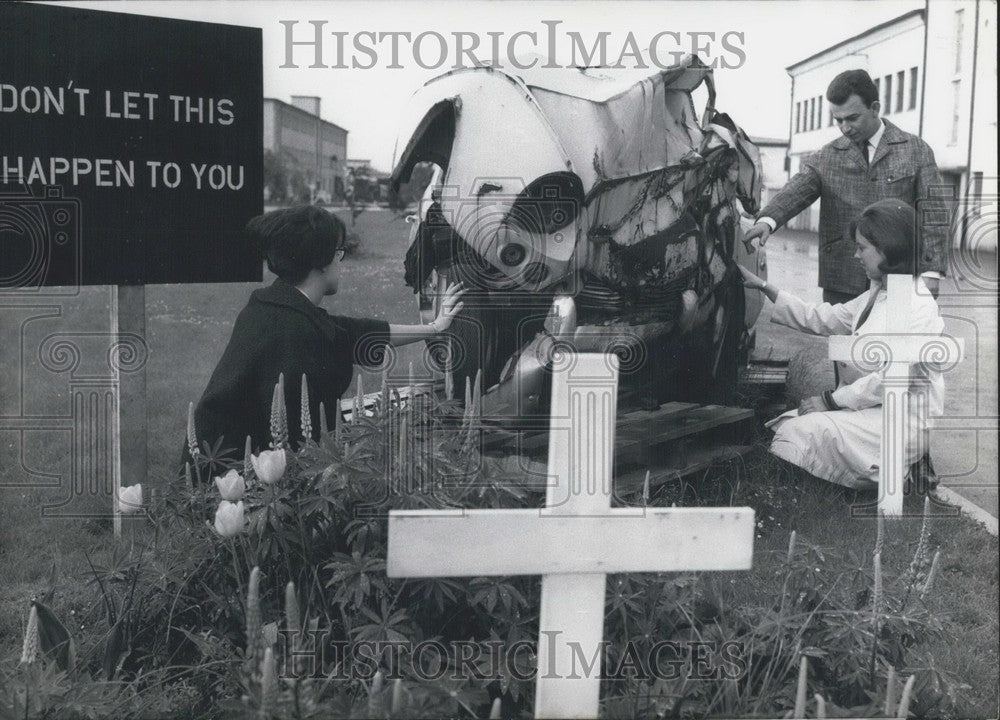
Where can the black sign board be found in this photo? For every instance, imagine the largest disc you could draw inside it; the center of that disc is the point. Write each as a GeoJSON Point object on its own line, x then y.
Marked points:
{"type": "Point", "coordinates": [130, 149]}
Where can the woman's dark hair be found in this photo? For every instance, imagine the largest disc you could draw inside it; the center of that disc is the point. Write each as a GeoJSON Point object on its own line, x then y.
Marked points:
{"type": "Point", "coordinates": [852, 82]}
{"type": "Point", "coordinates": [298, 239]}
{"type": "Point", "coordinates": [889, 226]}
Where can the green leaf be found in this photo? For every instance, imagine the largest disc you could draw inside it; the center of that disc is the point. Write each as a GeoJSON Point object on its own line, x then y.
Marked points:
{"type": "Point", "coordinates": [54, 638]}
{"type": "Point", "coordinates": [114, 649]}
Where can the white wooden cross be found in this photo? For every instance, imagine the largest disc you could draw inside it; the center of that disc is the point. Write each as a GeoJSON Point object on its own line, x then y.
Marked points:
{"type": "Point", "coordinates": [575, 541]}
{"type": "Point", "coordinates": [896, 351]}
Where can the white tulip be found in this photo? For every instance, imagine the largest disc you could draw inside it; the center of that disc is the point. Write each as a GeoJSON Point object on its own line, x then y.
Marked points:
{"type": "Point", "coordinates": [269, 465]}
{"type": "Point", "coordinates": [229, 518]}
{"type": "Point", "coordinates": [231, 486]}
{"type": "Point", "coordinates": [130, 499]}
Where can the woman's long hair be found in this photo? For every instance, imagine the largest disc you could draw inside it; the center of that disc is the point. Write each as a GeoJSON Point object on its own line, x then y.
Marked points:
{"type": "Point", "coordinates": [890, 226]}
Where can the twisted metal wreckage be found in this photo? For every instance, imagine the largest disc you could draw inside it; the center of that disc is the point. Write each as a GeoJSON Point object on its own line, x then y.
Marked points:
{"type": "Point", "coordinates": [585, 206]}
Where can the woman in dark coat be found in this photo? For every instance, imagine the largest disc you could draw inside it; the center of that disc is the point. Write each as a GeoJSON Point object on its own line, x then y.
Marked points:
{"type": "Point", "coordinates": [284, 330]}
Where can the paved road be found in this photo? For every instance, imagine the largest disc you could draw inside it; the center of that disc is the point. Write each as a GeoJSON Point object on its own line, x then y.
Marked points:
{"type": "Point", "coordinates": [965, 451]}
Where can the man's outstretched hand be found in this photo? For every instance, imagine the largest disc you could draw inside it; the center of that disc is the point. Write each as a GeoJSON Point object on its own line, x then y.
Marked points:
{"type": "Point", "coordinates": [761, 231]}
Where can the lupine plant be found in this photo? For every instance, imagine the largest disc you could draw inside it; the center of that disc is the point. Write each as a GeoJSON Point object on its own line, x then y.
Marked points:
{"type": "Point", "coordinates": [257, 579]}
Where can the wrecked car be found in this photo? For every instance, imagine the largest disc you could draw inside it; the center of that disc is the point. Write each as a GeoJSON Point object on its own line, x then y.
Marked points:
{"type": "Point", "coordinates": [591, 208]}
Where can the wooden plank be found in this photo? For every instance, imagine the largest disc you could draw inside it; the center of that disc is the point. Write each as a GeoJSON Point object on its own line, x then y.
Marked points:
{"type": "Point", "coordinates": [582, 437]}
{"type": "Point", "coordinates": [457, 543]}
{"type": "Point", "coordinates": [896, 400]}
{"type": "Point", "coordinates": [671, 421]}
{"type": "Point", "coordinates": [130, 421]}
{"type": "Point", "coordinates": [584, 414]}
{"type": "Point", "coordinates": [638, 423]}
{"type": "Point", "coordinates": [698, 458]}
{"type": "Point", "coordinates": [132, 386]}
{"type": "Point", "coordinates": [700, 420]}
{"type": "Point", "coordinates": [664, 411]}
{"type": "Point", "coordinates": [895, 397]}
{"type": "Point", "coordinates": [571, 611]}
{"type": "Point", "coordinates": [116, 428]}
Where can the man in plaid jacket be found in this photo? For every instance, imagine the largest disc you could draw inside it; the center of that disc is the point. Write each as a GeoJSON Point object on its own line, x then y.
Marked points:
{"type": "Point", "coordinates": [873, 160]}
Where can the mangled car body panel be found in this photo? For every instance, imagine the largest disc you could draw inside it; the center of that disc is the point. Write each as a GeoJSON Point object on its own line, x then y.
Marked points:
{"type": "Point", "coordinates": [600, 187]}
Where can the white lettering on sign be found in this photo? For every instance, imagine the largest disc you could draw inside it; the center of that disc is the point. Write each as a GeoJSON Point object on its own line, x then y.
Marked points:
{"type": "Point", "coordinates": [219, 177]}
{"type": "Point", "coordinates": [118, 105]}
{"type": "Point", "coordinates": [31, 99]}
{"type": "Point", "coordinates": [116, 173]}
{"type": "Point", "coordinates": [101, 172]}
{"type": "Point", "coordinates": [130, 105]}
{"type": "Point", "coordinates": [204, 111]}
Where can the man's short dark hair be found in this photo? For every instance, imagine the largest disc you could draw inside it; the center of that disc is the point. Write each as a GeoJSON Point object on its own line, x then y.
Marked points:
{"type": "Point", "coordinates": [890, 226]}
{"type": "Point", "coordinates": [298, 239]}
{"type": "Point", "coordinates": [852, 82]}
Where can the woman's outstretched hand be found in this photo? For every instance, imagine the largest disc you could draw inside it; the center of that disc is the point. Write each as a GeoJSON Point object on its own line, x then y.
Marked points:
{"type": "Point", "coordinates": [755, 283]}
{"type": "Point", "coordinates": [451, 305]}
{"type": "Point", "coordinates": [750, 280]}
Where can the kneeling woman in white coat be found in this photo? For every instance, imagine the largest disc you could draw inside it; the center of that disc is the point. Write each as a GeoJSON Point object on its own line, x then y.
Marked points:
{"type": "Point", "coordinates": [836, 436]}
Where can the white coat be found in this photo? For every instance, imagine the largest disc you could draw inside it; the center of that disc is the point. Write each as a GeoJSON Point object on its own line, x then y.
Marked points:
{"type": "Point", "coordinates": [843, 446]}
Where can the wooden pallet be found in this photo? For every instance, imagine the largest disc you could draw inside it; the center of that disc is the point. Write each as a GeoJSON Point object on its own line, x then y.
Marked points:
{"type": "Point", "coordinates": [673, 441]}
{"type": "Point", "coordinates": [674, 468]}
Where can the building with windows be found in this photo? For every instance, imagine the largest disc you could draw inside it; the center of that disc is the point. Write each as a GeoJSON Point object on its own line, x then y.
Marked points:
{"type": "Point", "coordinates": [935, 69]}
{"type": "Point", "coordinates": [312, 152]}
{"type": "Point", "coordinates": [959, 118]}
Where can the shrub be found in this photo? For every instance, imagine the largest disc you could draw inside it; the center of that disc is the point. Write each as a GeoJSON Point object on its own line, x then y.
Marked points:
{"type": "Point", "coordinates": [268, 599]}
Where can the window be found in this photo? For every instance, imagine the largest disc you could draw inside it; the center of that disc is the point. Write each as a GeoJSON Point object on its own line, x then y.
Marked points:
{"type": "Point", "coordinates": [819, 111]}
{"type": "Point", "coordinates": [977, 193]}
{"type": "Point", "coordinates": [959, 31]}
{"type": "Point", "coordinates": [887, 105]}
{"type": "Point", "coordinates": [798, 117]}
{"type": "Point", "coordinates": [900, 76]}
{"type": "Point", "coordinates": [812, 113]}
{"type": "Point", "coordinates": [913, 88]}
{"type": "Point", "coordinates": [956, 93]}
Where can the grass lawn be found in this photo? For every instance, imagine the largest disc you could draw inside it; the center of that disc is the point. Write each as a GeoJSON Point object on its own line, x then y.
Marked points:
{"type": "Point", "coordinates": [188, 327]}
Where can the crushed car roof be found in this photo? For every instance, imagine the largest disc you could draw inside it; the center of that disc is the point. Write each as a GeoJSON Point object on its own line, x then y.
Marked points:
{"type": "Point", "coordinates": [598, 84]}
{"type": "Point", "coordinates": [594, 105]}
